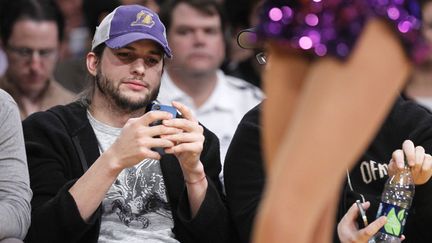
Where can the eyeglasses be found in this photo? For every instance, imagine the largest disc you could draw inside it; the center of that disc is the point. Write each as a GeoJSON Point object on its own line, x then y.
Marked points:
{"type": "Point", "coordinates": [26, 53]}
{"type": "Point", "coordinates": [261, 58]}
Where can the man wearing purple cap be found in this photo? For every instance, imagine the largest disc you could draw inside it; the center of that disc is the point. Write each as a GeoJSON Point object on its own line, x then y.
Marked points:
{"type": "Point", "coordinates": [94, 174]}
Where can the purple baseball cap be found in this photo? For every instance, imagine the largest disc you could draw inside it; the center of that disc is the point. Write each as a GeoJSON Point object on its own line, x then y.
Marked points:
{"type": "Point", "coordinates": [130, 23]}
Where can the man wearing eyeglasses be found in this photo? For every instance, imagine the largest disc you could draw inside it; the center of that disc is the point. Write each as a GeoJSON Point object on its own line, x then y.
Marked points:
{"type": "Point", "coordinates": [31, 32]}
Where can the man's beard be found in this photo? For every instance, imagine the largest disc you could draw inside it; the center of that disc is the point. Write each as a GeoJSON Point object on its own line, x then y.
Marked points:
{"type": "Point", "coordinates": [112, 93]}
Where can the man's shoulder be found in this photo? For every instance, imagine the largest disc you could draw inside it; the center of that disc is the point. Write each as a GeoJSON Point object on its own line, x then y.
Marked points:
{"type": "Point", "coordinates": [9, 113]}
{"type": "Point", "coordinates": [5, 97]}
{"type": "Point", "coordinates": [242, 88]}
{"type": "Point", "coordinates": [57, 94]}
{"type": "Point", "coordinates": [71, 114]}
{"type": "Point", "coordinates": [418, 123]}
{"type": "Point", "coordinates": [253, 115]}
{"type": "Point", "coordinates": [239, 84]}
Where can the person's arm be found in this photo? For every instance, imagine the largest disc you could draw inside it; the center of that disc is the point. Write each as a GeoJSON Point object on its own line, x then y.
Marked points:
{"type": "Point", "coordinates": [15, 193]}
{"type": "Point", "coordinates": [188, 147]}
{"type": "Point", "coordinates": [54, 166]}
{"type": "Point", "coordinates": [202, 212]}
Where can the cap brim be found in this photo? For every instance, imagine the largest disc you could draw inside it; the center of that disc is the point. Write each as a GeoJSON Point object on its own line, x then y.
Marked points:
{"type": "Point", "coordinates": [248, 39]}
{"type": "Point", "coordinates": [126, 39]}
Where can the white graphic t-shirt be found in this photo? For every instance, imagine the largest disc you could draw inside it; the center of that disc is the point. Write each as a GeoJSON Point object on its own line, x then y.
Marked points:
{"type": "Point", "coordinates": [135, 208]}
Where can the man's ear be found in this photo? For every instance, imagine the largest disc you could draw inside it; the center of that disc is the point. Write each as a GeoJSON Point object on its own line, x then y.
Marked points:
{"type": "Point", "coordinates": [92, 62]}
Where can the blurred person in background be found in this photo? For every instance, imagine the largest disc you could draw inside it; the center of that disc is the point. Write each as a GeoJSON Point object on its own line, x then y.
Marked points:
{"type": "Point", "coordinates": [3, 60]}
{"type": "Point", "coordinates": [151, 4]}
{"type": "Point", "coordinates": [241, 62]}
{"type": "Point", "coordinates": [195, 31]}
{"type": "Point", "coordinates": [31, 31]}
{"type": "Point", "coordinates": [76, 34]}
{"type": "Point", "coordinates": [419, 86]}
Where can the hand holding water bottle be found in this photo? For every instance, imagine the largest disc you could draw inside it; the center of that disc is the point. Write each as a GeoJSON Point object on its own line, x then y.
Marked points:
{"type": "Point", "coordinates": [419, 162]}
{"type": "Point", "coordinates": [408, 167]}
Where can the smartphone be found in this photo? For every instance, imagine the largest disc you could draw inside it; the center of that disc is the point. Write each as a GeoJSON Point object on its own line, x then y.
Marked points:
{"type": "Point", "coordinates": [364, 221]}
{"type": "Point", "coordinates": [166, 108]}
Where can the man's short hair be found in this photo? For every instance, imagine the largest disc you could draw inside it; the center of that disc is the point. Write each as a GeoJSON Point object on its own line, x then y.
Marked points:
{"type": "Point", "coordinates": [209, 7]}
{"type": "Point", "coordinates": [36, 10]}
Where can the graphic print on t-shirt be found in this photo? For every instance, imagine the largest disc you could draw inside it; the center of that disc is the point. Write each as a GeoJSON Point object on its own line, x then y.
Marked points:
{"type": "Point", "coordinates": [138, 196]}
{"type": "Point", "coordinates": [372, 171]}
{"type": "Point", "coordinates": [135, 208]}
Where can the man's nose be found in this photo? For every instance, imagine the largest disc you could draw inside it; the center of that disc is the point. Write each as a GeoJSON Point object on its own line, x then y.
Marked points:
{"type": "Point", "coordinates": [199, 37]}
{"type": "Point", "coordinates": [36, 61]}
{"type": "Point", "coordinates": [138, 67]}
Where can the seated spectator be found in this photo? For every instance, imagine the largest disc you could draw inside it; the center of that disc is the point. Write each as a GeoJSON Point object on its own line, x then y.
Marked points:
{"type": "Point", "coordinates": [15, 193]}
{"type": "Point", "coordinates": [241, 62]}
{"type": "Point", "coordinates": [31, 31]}
{"type": "Point", "coordinates": [245, 176]}
{"type": "Point", "coordinates": [106, 182]}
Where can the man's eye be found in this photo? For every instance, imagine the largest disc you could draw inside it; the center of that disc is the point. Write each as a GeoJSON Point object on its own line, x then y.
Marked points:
{"type": "Point", "coordinates": [24, 51]}
{"type": "Point", "coordinates": [151, 61]}
{"type": "Point", "coordinates": [46, 52]}
{"type": "Point", "coordinates": [183, 31]}
{"type": "Point", "coordinates": [123, 55]}
{"type": "Point", "coordinates": [212, 31]}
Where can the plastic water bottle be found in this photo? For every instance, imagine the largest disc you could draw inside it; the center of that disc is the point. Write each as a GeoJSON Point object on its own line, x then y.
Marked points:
{"type": "Point", "coordinates": [395, 202]}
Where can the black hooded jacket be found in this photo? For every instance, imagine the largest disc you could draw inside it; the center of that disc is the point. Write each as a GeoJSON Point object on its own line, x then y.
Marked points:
{"type": "Point", "coordinates": [61, 145]}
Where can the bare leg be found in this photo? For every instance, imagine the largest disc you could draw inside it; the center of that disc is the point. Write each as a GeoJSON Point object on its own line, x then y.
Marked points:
{"type": "Point", "coordinates": [283, 77]}
{"type": "Point", "coordinates": [339, 108]}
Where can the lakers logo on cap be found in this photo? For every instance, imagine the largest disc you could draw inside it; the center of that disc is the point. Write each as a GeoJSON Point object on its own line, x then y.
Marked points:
{"type": "Point", "coordinates": [144, 18]}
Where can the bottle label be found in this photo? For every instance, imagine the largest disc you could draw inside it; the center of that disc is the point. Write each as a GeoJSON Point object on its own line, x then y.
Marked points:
{"type": "Point", "coordinates": [396, 217]}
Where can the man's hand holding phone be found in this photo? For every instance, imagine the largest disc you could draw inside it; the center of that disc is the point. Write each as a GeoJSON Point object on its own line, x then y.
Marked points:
{"type": "Point", "coordinates": [188, 141]}
{"type": "Point", "coordinates": [166, 108]}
